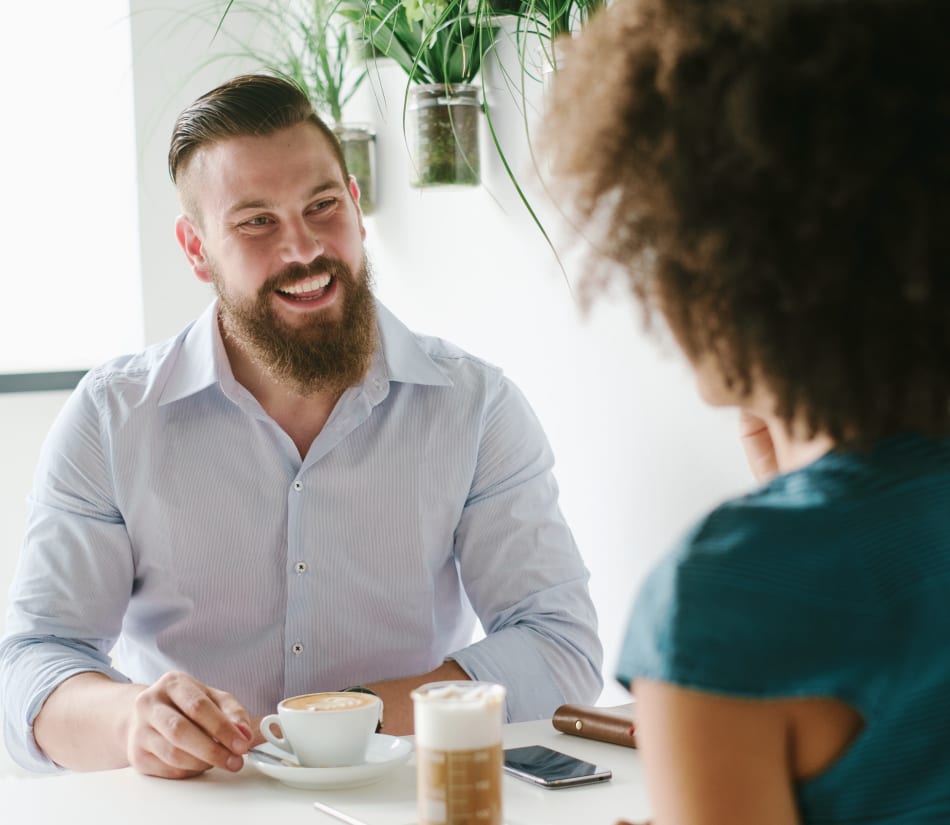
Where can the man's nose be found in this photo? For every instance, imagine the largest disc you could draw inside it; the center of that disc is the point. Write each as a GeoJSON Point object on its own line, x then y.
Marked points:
{"type": "Point", "coordinates": [300, 244]}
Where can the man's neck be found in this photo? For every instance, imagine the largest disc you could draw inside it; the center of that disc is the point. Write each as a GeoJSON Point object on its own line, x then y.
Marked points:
{"type": "Point", "coordinates": [301, 415]}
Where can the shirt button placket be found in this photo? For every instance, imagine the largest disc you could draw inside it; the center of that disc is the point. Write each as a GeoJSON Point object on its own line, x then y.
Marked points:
{"type": "Point", "coordinates": [299, 567]}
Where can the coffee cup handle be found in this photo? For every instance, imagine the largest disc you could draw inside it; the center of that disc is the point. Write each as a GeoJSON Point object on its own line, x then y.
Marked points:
{"type": "Point", "coordinates": [277, 741]}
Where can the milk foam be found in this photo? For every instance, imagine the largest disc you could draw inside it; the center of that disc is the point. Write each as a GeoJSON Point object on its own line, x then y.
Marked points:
{"type": "Point", "coordinates": [459, 716]}
{"type": "Point", "coordinates": [335, 703]}
{"type": "Point", "coordinates": [330, 701]}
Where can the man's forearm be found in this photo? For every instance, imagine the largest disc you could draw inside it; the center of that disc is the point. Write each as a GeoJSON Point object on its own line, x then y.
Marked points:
{"type": "Point", "coordinates": [83, 724]}
{"type": "Point", "coordinates": [397, 702]}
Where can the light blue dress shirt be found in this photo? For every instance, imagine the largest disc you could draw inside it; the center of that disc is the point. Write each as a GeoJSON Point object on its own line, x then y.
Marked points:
{"type": "Point", "coordinates": [173, 519]}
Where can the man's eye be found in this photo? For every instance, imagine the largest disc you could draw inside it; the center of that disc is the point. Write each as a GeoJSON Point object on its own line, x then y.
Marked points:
{"type": "Point", "coordinates": [323, 205]}
{"type": "Point", "coordinates": [259, 220]}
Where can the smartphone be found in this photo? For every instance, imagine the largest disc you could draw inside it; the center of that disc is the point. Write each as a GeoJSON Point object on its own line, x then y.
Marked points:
{"type": "Point", "coordinates": [552, 769]}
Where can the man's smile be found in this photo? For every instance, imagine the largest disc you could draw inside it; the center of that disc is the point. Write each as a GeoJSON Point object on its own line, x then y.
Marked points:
{"type": "Point", "coordinates": [310, 289]}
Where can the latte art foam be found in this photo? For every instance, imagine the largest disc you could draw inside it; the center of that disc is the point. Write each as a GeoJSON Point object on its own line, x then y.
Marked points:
{"type": "Point", "coordinates": [330, 701]}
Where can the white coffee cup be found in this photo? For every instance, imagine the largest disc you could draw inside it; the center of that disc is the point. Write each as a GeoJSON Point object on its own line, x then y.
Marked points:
{"type": "Point", "coordinates": [324, 730]}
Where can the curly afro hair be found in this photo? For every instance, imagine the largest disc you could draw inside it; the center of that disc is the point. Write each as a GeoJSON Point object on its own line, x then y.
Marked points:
{"type": "Point", "coordinates": [774, 177]}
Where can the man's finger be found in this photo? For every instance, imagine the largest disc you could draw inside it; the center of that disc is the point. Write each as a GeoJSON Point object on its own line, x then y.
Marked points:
{"type": "Point", "coordinates": [182, 735]}
{"type": "Point", "coordinates": [199, 705]}
{"type": "Point", "coordinates": [153, 755]}
{"type": "Point", "coordinates": [234, 711]}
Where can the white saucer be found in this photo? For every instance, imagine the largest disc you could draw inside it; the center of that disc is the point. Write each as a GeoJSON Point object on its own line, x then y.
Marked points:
{"type": "Point", "coordinates": [382, 755]}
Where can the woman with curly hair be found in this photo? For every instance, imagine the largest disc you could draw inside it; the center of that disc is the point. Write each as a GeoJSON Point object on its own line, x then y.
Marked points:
{"type": "Point", "coordinates": [772, 179]}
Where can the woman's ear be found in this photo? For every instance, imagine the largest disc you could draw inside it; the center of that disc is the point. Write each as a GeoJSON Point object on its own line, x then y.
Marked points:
{"type": "Point", "coordinates": [193, 247]}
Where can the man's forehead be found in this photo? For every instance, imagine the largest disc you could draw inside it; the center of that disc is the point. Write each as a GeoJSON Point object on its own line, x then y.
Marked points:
{"type": "Point", "coordinates": [237, 150]}
{"type": "Point", "coordinates": [249, 161]}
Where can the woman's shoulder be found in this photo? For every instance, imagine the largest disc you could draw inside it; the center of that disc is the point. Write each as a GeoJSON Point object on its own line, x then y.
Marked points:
{"type": "Point", "coordinates": [744, 602]}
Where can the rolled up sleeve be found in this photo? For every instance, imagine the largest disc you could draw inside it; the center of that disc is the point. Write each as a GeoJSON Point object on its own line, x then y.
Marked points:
{"type": "Point", "coordinates": [522, 571]}
{"type": "Point", "coordinates": [73, 580]}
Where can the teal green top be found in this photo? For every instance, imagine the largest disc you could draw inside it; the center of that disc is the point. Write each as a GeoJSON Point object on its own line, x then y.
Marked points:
{"type": "Point", "coordinates": [833, 581]}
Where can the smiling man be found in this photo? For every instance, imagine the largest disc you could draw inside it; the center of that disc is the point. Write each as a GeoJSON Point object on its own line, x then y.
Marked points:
{"type": "Point", "coordinates": [294, 494]}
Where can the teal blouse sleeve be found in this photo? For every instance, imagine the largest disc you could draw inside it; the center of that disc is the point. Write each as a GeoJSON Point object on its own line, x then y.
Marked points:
{"type": "Point", "coordinates": [744, 606]}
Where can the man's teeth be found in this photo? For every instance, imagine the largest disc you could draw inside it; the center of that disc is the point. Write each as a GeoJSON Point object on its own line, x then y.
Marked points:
{"type": "Point", "coordinates": [310, 285]}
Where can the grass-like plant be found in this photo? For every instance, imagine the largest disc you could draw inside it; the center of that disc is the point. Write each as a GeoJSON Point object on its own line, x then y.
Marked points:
{"type": "Point", "coordinates": [546, 21]}
{"type": "Point", "coordinates": [557, 17]}
{"type": "Point", "coordinates": [305, 41]}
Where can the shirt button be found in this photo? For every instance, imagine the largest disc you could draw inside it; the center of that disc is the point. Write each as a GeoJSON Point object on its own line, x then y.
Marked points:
{"type": "Point", "coordinates": [301, 567]}
{"type": "Point", "coordinates": [298, 486]}
{"type": "Point", "coordinates": [297, 648]}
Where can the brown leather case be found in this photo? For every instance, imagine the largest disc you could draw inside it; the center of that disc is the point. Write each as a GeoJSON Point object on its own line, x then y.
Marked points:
{"type": "Point", "coordinates": [614, 724]}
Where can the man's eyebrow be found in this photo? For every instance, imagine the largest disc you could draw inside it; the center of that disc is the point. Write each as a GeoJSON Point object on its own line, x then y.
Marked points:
{"type": "Point", "coordinates": [260, 203]}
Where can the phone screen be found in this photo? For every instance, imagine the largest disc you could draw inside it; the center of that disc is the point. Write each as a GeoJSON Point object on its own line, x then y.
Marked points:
{"type": "Point", "coordinates": [551, 768]}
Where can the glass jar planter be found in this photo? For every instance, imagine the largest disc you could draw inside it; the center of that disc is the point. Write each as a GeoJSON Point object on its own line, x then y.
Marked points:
{"type": "Point", "coordinates": [359, 150]}
{"type": "Point", "coordinates": [443, 135]}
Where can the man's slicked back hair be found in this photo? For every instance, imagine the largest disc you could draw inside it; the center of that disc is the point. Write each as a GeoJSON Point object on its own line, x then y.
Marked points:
{"type": "Point", "coordinates": [250, 105]}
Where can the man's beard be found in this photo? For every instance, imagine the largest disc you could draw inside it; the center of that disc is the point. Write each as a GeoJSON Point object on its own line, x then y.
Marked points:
{"type": "Point", "coordinates": [322, 355]}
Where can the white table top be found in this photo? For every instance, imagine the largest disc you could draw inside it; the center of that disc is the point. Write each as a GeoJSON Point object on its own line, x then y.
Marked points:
{"type": "Point", "coordinates": [124, 796]}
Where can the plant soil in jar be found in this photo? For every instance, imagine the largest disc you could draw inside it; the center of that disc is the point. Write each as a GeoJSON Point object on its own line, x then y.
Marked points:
{"type": "Point", "coordinates": [444, 144]}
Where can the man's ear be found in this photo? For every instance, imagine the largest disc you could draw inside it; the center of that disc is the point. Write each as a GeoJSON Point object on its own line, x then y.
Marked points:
{"type": "Point", "coordinates": [355, 192]}
{"type": "Point", "coordinates": [193, 247]}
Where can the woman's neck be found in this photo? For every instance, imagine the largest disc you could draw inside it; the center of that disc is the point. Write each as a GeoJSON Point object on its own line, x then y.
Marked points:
{"type": "Point", "coordinates": [794, 447]}
{"type": "Point", "coordinates": [773, 445]}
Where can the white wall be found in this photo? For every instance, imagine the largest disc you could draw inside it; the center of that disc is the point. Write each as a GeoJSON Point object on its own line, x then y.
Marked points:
{"type": "Point", "coordinates": [638, 456]}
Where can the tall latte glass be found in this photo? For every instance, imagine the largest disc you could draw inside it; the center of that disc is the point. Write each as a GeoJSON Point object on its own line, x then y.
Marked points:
{"type": "Point", "coordinates": [459, 752]}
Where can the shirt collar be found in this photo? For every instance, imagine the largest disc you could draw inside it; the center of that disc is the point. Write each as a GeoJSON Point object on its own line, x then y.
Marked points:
{"type": "Point", "coordinates": [202, 360]}
{"type": "Point", "coordinates": [405, 358]}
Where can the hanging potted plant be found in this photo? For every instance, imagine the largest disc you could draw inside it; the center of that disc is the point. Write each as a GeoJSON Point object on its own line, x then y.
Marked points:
{"type": "Point", "coordinates": [440, 45]}
{"type": "Point", "coordinates": [312, 46]}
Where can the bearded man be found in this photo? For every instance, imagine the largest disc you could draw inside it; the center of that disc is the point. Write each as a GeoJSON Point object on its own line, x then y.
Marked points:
{"type": "Point", "coordinates": [295, 494]}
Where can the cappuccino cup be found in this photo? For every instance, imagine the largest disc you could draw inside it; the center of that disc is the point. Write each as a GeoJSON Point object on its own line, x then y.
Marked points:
{"type": "Point", "coordinates": [324, 730]}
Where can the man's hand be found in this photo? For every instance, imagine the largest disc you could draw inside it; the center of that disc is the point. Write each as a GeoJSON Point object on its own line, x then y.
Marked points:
{"type": "Point", "coordinates": [176, 728]}
{"type": "Point", "coordinates": [180, 727]}
{"type": "Point", "coordinates": [758, 445]}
